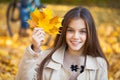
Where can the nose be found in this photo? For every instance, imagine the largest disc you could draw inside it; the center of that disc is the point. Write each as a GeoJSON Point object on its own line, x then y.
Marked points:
{"type": "Point", "coordinates": [76, 35]}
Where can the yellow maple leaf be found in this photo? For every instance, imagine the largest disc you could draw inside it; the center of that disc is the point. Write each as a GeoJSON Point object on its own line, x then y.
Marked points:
{"type": "Point", "coordinates": [32, 23]}
{"type": "Point", "coordinates": [44, 19]}
{"type": "Point", "coordinates": [48, 12]}
{"type": "Point", "coordinates": [34, 17]}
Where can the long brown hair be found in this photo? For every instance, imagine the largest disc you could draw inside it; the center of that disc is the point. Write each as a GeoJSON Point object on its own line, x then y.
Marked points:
{"type": "Point", "coordinates": [91, 47]}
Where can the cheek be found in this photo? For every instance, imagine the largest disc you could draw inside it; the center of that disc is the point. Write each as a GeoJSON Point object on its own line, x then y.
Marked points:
{"type": "Point", "coordinates": [68, 36]}
{"type": "Point", "coordinates": [84, 37]}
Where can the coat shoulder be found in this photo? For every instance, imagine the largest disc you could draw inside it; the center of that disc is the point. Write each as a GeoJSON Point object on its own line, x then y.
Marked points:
{"type": "Point", "coordinates": [101, 62]}
{"type": "Point", "coordinates": [46, 52]}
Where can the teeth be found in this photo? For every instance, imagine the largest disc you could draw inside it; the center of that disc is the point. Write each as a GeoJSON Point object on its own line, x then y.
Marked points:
{"type": "Point", "coordinates": [75, 42]}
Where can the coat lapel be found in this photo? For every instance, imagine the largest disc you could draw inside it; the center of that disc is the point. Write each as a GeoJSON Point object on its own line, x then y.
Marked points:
{"type": "Point", "coordinates": [57, 59]}
{"type": "Point", "coordinates": [90, 69]}
{"type": "Point", "coordinates": [91, 63]}
{"type": "Point", "coordinates": [56, 63]}
{"type": "Point", "coordinates": [58, 55]}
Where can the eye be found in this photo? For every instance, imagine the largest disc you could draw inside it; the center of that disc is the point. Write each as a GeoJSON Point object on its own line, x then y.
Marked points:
{"type": "Point", "coordinates": [69, 30]}
{"type": "Point", "coordinates": [83, 31]}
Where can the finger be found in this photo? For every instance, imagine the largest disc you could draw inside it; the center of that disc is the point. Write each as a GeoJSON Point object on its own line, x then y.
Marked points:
{"type": "Point", "coordinates": [42, 32]}
{"type": "Point", "coordinates": [37, 29]}
{"type": "Point", "coordinates": [38, 33]}
{"type": "Point", "coordinates": [41, 36]}
{"type": "Point", "coordinates": [38, 41]}
{"type": "Point", "coordinates": [41, 40]}
{"type": "Point", "coordinates": [34, 31]}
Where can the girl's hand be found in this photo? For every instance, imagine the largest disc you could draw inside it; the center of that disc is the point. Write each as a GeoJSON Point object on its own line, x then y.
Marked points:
{"type": "Point", "coordinates": [38, 37]}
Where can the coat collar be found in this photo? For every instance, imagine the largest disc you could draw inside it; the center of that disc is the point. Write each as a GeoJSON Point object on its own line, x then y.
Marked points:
{"type": "Point", "coordinates": [91, 63]}
{"type": "Point", "coordinates": [58, 56]}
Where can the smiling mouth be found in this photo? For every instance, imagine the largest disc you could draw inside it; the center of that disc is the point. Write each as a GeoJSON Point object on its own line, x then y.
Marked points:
{"type": "Point", "coordinates": [75, 43]}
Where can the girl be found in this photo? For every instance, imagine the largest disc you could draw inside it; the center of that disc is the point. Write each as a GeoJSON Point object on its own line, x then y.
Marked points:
{"type": "Point", "coordinates": [76, 54]}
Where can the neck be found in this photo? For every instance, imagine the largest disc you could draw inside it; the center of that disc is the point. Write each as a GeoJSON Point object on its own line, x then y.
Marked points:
{"type": "Point", "coordinates": [74, 52]}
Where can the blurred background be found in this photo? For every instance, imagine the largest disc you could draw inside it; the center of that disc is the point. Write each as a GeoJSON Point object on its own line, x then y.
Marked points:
{"type": "Point", "coordinates": [14, 39]}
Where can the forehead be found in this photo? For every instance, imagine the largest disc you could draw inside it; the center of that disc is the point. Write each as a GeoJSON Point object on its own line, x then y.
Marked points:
{"type": "Point", "coordinates": [77, 23]}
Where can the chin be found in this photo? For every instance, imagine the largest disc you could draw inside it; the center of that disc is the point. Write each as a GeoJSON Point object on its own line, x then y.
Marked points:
{"type": "Point", "coordinates": [75, 48]}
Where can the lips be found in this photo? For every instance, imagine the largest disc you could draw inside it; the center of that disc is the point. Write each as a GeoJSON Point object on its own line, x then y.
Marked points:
{"type": "Point", "coordinates": [75, 43]}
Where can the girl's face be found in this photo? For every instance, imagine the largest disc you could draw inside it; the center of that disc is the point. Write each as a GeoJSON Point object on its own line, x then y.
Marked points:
{"type": "Point", "coordinates": [76, 35]}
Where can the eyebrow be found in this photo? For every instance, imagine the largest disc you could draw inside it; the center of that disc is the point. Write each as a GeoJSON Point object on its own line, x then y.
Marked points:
{"type": "Point", "coordinates": [80, 29]}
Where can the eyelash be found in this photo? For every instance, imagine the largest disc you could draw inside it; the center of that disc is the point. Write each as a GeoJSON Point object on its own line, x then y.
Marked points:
{"type": "Point", "coordinates": [70, 30]}
{"type": "Point", "coordinates": [83, 31]}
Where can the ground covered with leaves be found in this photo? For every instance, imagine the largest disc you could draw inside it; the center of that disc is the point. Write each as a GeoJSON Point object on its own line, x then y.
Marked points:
{"type": "Point", "coordinates": [108, 28]}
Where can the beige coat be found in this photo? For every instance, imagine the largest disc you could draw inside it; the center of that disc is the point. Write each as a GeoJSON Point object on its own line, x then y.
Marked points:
{"type": "Point", "coordinates": [96, 68]}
